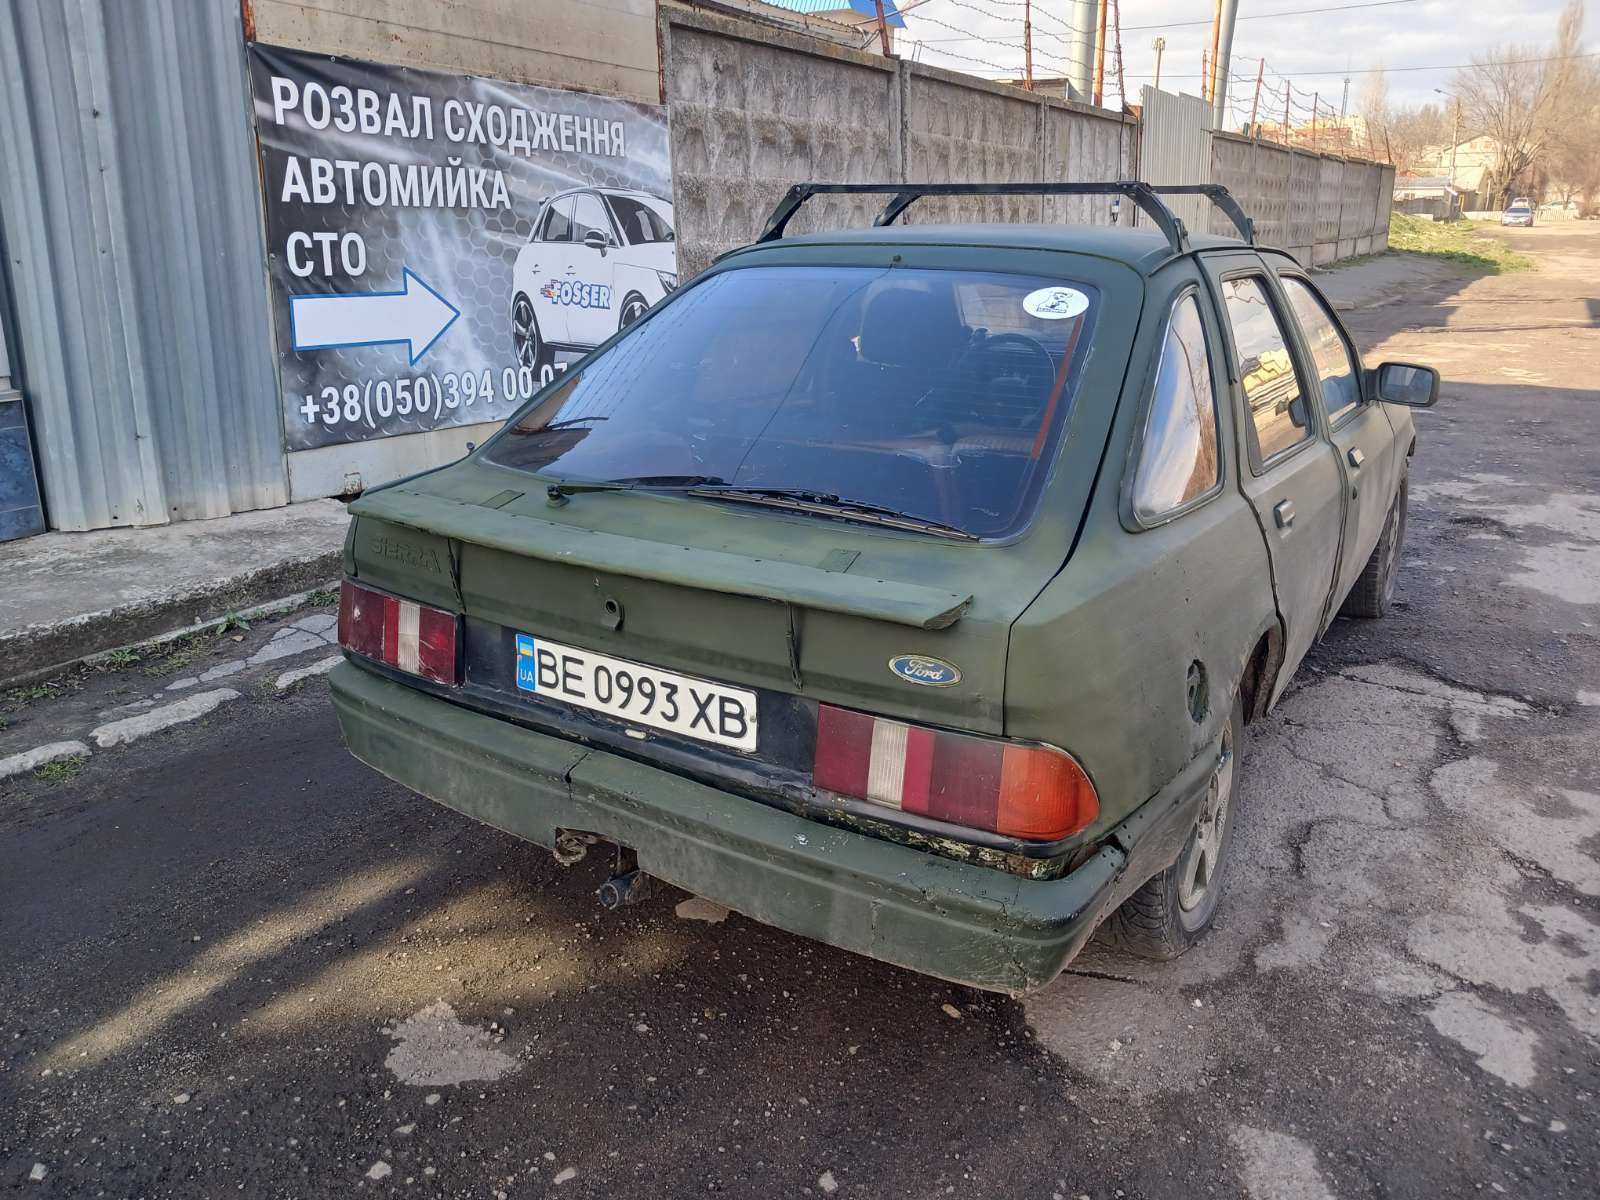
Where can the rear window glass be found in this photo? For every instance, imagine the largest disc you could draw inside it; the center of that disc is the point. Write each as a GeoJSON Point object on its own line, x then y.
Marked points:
{"type": "Point", "coordinates": [938, 394]}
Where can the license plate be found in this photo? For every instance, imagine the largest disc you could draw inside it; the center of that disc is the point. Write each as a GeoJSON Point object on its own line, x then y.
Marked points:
{"type": "Point", "coordinates": [640, 695]}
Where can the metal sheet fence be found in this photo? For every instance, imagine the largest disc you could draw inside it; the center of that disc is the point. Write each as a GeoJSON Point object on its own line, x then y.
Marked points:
{"type": "Point", "coordinates": [1175, 147]}
{"type": "Point", "coordinates": [130, 218]}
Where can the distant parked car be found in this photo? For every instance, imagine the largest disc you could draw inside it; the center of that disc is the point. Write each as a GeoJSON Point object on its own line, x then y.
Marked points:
{"type": "Point", "coordinates": [1520, 213]}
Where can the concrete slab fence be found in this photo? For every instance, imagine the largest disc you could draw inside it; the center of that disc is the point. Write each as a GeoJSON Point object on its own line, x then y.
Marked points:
{"type": "Point", "coordinates": [755, 109]}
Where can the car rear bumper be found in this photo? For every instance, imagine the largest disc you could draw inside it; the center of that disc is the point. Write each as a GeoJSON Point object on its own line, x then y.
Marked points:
{"type": "Point", "coordinates": [966, 923]}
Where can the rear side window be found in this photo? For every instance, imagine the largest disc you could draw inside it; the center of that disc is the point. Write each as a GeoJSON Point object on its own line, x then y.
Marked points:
{"type": "Point", "coordinates": [558, 222]}
{"type": "Point", "coordinates": [1338, 373]}
{"type": "Point", "coordinates": [1266, 371]}
{"type": "Point", "coordinates": [1178, 461]}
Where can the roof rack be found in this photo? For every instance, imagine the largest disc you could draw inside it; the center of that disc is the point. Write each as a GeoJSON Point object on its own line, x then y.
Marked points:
{"type": "Point", "coordinates": [903, 195]}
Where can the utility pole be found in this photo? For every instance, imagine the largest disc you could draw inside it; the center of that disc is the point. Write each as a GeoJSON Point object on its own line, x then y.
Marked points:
{"type": "Point", "coordinates": [1082, 47]}
{"type": "Point", "coordinates": [1255, 102]}
{"type": "Point", "coordinates": [1122, 85]}
{"type": "Point", "coordinates": [1222, 60]}
{"type": "Point", "coordinates": [1159, 46]}
{"type": "Point", "coordinates": [1209, 88]}
{"type": "Point", "coordinates": [883, 28]}
{"type": "Point", "coordinates": [1344, 103]}
{"type": "Point", "coordinates": [1205, 76]}
{"type": "Point", "coordinates": [1027, 40]}
{"type": "Point", "coordinates": [1288, 91]}
{"type": "Point", "coordinates": [1455, 143]}
{"type": "Point", "coordinates": [1316, 98]}
{"type": "Point", "coordinates": [1100, 55]}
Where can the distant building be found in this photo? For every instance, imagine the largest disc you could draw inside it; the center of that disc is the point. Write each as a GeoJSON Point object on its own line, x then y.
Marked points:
{"type": "Point", "coordinates": [1348, 135]}
{"type": "Point", "coordinates": [824, 17]}
{"type": "Point", "coordinates": [1468, 166]}
{"type": "Point", "coordinates": [1427, 196]}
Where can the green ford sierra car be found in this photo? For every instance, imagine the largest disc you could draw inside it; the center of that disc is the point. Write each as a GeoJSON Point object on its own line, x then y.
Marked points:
{"type": "Point", "coordinates": [909, 587]}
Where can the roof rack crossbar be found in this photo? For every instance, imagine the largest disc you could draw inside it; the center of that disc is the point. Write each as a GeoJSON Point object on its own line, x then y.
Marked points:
{"type": "Point", "coordinates": [1218, 195]}
{"type": "Point", "coordinates": [903, 195]}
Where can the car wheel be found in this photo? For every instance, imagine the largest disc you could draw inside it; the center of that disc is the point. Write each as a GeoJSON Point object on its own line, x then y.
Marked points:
{"type": "Point", "coordinates": [1173, 909]}
{"type": "Point", "coordinates": [1374, 590]}
{"type": "Point", "coordinates": [633, 308]}
{"type": "Point", "coordinates": [530, 346]}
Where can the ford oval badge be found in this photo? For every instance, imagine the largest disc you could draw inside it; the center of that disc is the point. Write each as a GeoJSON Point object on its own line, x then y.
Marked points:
{"type": "Point", "coordinates": [918, 668]}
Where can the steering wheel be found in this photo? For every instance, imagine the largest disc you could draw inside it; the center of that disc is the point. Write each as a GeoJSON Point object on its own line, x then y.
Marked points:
{"type": "Point", "coordinates": [1015, 362]}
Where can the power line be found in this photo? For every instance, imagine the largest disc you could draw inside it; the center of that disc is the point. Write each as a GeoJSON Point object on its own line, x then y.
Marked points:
{"type": "Point", "coordinates": [1505, 62]}
{"type": "Point", "coordinates": [1291, 12]}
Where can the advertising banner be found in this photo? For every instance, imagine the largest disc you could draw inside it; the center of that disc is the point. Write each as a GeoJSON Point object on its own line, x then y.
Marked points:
{"type": "Point", "coordinates": [440, 245]}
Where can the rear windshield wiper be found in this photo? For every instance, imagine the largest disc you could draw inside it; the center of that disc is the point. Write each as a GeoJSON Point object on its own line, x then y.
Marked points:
{"type": "Point", "coordinates": [831, 505]}
{"type": "Point", "coordinates": [558, 492]}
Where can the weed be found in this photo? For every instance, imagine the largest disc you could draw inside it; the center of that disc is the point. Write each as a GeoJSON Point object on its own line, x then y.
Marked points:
{"type": "Point", "coordinates": [62, 769]}
{"type": "Point", "coordinates": [323, 598]}
{"type": "Point", "coordinates": [117, 659]}
{"type": "Point", "coordinates": [230, 622]}
{"type": "Point", "coordinates": [1455, 241]}
{"type": "Point", "coordinates": [180, 654]}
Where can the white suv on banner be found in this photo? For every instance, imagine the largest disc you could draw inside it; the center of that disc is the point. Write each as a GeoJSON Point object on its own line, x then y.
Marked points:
{"type": "Point", "coordinates": [597, 260]}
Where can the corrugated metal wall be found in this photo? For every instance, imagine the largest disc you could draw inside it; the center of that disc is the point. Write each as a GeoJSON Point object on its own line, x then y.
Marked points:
{"type": "Point", "coordinates": [130, 219]}
{"type": "Point", "coordinates": [1175, 147]}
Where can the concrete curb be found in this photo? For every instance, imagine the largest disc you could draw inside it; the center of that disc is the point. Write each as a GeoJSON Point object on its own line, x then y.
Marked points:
{"type": "Point", "coordinates": [38, 650]}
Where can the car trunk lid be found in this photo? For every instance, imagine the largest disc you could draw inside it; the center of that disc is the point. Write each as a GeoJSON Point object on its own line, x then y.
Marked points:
{"type": "Point", "coordinates": [809, 607]}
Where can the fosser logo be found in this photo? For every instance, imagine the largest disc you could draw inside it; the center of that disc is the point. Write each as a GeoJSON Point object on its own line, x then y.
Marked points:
{"type": "Point", "coordinates": [424, 558]}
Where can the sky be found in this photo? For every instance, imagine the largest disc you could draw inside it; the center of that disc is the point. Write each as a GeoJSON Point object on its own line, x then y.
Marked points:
{"type": "Point", "coordinates": [1327, 45]}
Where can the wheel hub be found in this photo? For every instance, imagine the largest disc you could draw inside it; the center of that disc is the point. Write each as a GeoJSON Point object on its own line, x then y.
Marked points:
{"type": "Point", "coordinates": [1204, 851]}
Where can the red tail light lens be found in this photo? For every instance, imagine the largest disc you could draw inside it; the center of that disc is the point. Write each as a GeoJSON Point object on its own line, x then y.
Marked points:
{"type": "Point", "coordinates": [399, 633]}
{"type": "Point", "coordinates": [1033, 792]}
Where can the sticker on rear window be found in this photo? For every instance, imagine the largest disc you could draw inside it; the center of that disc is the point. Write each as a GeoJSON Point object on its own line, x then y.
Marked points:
{"type": "Point", "coordinates": [1054, 303]}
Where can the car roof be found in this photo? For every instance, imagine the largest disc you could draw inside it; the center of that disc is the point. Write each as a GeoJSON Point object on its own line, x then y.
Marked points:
{"type": "Point", "coordinates": [607, 191]}
{"type": "Point", "coordinates": [1142, 249]}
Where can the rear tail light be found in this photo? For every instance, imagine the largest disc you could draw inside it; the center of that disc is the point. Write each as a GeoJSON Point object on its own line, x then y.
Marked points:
{"type": "Point", "coordinates": [399, 633]}
{"type": "Point", "coordinates": [1024, 791]}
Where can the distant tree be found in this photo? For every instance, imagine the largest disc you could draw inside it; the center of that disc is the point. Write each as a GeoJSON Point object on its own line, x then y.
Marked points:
{"type": "Point", "coordinates": [1571, 167]}
{"type": "Point", "coordinates": [1519, 95]}
{"type": "Point", "coordinates": [1373, 105]}
{"type": "Point", "coordinates": [1414, 132]}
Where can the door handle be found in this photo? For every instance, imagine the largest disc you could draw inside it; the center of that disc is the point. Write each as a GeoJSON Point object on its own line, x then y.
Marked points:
{"type": "Point", "coordinates": [1283, 513]}
{"type": "Point", "coordinates": [1356, 457]}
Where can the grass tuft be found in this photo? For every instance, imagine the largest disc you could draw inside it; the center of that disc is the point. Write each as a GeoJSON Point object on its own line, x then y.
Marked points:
{"type": "Point", "coordinates": [62, 769]}
{"type": "Point", "coordinates": [1462, 242]}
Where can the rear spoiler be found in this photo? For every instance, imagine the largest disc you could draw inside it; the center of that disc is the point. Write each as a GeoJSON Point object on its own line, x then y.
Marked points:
{"type": "Point", "coordinates": [709, 570]}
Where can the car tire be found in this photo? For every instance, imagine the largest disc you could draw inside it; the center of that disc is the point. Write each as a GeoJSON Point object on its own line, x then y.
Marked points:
{"type": "Point", "coordinates": [634, 306]}
{"type": "Point", "coordinates": [525, 337]}
{"type": "Point", "coordinates": [1374, 590]}
{"type": "Point", "coordinates": [1173, 910]}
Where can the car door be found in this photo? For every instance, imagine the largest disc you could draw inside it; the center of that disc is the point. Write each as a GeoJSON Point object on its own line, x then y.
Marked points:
{"type": "Point", "coordinates": [1357, 425]}
{"type": "Point", "coordinates": [1293, 480]}
{"type": "Point", "coordinates": [590, 316]}
{"type": "Point", "coordinates": [551, 268]}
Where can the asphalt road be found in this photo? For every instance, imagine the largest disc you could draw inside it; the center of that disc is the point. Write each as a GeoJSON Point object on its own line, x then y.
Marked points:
{"type": "Point", "coordinates": [234, 961]}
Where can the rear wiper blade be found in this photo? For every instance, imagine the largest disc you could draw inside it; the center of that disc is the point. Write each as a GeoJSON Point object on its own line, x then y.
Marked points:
{"type": "Point", "coordinates": [557, 493]}
{"type": "Point", "coordinates": [829, 504]}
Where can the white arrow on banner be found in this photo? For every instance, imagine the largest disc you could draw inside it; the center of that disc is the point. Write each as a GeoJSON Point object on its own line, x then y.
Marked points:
{"type": "Point", "coordinates": [416, 315]}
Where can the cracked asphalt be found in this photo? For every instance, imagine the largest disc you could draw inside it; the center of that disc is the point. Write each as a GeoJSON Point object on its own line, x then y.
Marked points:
{"type": "Point", "coordinates": [233, 960]}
